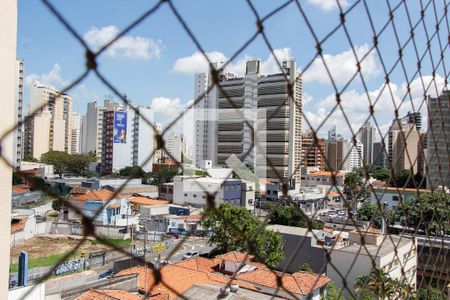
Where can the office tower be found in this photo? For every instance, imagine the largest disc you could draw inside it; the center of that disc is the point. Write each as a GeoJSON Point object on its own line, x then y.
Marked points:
{"type": "Point", "coordinates": [379, 155]}
{"type": "Point", "coordinates": [252, 109]}
{"type": "Point", "coordinates": [404, 146]}
{"type": "Point", "coordinates": [127, 139]}
{"type": "Point", "coordinates": [83, 133]}
{"type": "Point", "coordinates": [46, 99]}
{"type": "Point", "coordinates": [438, 140]}
{"type": "Point", "coordinates": [367, 137]}
{"type": "Point", "coordinates": [18, 143]}
{"type": "Point", "coordinates": [332, 134]}
{"type": "Point", "coordinates": [413, 118]}
{"type": "Point", "coordinates": [313, 155]}
{"type": "Point", "coordinates": [94, 124]}
{"type": "Point", "coordinates": [352, 155]}
{"type": "Point", "coordinates": [335, 154]}
{"type": "Point", "coordinates": [76, 133]}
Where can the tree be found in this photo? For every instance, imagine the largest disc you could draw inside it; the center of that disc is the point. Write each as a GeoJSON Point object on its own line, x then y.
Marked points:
{"type": "Point", "coordinates": [58, 159]}
{"type": "Point", "coordinates": [380, 284]}
{"type": "Point", "coordinates": [372, 213]}
{"type": "Point", "coordinates": [333, 293]}
{"type": "Point", "coordinates": [92, 156]}
{"type": "Point", "coordinates": [306, 268]}
{"type": "Point", "coordinates": [291, 215]}
{"type": "Point", "coordinates": [77, 164]}
{"type": "Point", "coordinates": [430, 293]}
{"type": "Point", "coordinates": [429, 212]}
{"type": "Point", "coordinates": [56, 204]}
{"type": "Point", "coordinates": [235, 228]}
{"type": "Point", "coordinates": [380, 173]}
{"type": "Point", "coordinates": [134, 171]}
{"type": "Point", "coordinates": [16, 179]}
{"type": "Point", "coordinates": [201, 173]}
{"type": "Point", "coordinates": [353, 186]}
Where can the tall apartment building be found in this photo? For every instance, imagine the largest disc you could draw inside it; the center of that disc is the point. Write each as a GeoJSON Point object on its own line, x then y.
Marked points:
{"type": "Point", "coordinates": [253, 109]}
{"type": "Point", "coordinates": [127, 139]}
{"type": "Point", "coordinates": [367, 137]}
{"type": "Point", "coordinates": [93, 137]}
{"type": "Point", "coordinates": [45, 99]}
{"type": "Point", "coordinates": [313, 155]}
{"type": "Point", "coordinates": [353, 155]}
{"type": "Point", "coordinates": [76, 133]}
{"type": "Point", "coordinates": [438, 140]}
{"type": "Point", "coordinates": [404, 146]}
{"type": "Point", "coordinates": [335, 154]}
{"type": "Point", "coordinates": [332, 134]}
{"type": "Point", "coordinates": [175, 145]}
{"type": "Point", "coordinates": [18, 143]}
{"type": "Point", "coordinates": [379, 155]}
{"type": "Point", "coordinates": [83, 132]}
{"type": "Point", "coordinates": [159, 152]}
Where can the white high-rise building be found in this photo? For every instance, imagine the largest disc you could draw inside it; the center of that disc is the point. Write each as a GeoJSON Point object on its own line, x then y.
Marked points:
{"type": "Point", "coordinates": [83, 133]}
{"type": "Point", "coordinates": [353, 155]}
{"type": "Point", "coordinates": [254, 107]}
{"type": "Point", "coordinates": [158, 153]}
{"type": "Point", "coordinates": [94, 125]}
{"type": "Point", "coordinates": [175, 145]}
{"type": "Point", "coordinates": [127, 139]}
{"type": "Point", "coordinates": [18, 144]}
{"type": "Point", "coordinates": [46, 99]}
{"type": "Point", "coordinates": [367, 137]}
{"type": "Point", "coordinates": [76, 133]}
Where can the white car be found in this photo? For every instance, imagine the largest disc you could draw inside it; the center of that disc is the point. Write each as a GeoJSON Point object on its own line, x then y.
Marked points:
{"type": "Point", "coordinates": [190, 255]}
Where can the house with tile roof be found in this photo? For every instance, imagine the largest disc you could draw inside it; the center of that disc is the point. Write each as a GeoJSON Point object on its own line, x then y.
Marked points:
{"type": "Point", "coordinates": [112, 208]}
{"type": "Point", "coordinates": [95, 294]}
{"type": "Point", "coordinates": [234, 269]}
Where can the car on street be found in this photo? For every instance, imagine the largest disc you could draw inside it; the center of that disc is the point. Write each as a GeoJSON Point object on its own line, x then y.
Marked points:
{"type": "Point", "coordinates": [190, 254]}
{"type": "Point", "coordinates": [107, 274]}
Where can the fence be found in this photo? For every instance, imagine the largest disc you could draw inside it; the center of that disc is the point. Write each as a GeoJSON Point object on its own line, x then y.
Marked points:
{"type": "Point", "coordinates": [417, 53]}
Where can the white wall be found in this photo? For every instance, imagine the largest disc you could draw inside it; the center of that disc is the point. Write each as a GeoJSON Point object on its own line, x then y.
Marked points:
{"type": "Point", "coordinates": [188, 190]}
{"type": "Point", "coordinates": [38, 293]}
{"type": "Point", "coordinates": [145, 139]}
{"type": "Point", "coordinates": [59, 134]}
{"type": "Point", "coordinates": [8, 38]}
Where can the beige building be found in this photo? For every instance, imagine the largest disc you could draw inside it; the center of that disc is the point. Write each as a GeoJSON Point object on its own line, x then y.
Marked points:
{"type": "Point", "coordinates": [404, 150]}
{"type": "Point", "coordinates": [45, 99]}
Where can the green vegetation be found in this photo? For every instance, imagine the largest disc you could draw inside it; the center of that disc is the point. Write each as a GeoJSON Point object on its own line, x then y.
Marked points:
{"type": "Point", "coordinates": [405, 178]}
{"type": "Point", "coordinates": [73, 164]}
{"type": "Point", "coordinates": [430, 293]}
{"type": "Point", "coordinates": [380, 284]}
{"type": "Point", "coordinates": [380, 173]}
{"type": "Point", "coordinates": [134, 171]}
{"type": "Point", "coordinates": [333, 293]}
{"type": "Point", "coordinates": [44, 261]}
{"type": "Point", "coordinates": [120, 243]}
{"type": "Point", "coordinates": [235, 228]}
{"type": "Point", "coordinates": [372, 213]}
{"type": "Point", "coordinates": [291, 215]}
{"type": "Point", "coordinates": [306, 268]}
{"type": "Point", "coordinates": [17, 179]}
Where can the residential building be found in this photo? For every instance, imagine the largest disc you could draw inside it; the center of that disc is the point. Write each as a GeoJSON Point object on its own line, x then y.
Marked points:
{"type": "Point", "coordinates": [249, 278]}
{"type": "Point", "coordinates": [193, 190]}
{"type": "Point", "coordinates": [414, 118]}
{"type": "Point", "coordinates": [83, 133]}
{"type": "Point", "coordinates": [395, 255]}
{"type": "Point", "coordinates": [226, 119]}
{"type": "Point", "coordinates": [46, 101]}
{"type": "Point", "coordinates": [137, 202]}
{"type": "Point", "coordinates": [94, 125]}
{"type": "Point", "coordinates": [115, 213]}
{"type": "Point", "coordinates": [394, 197]}
{"type": "Point", "coordinates": [37, 137]}
{"type": "Point", "coordinates": [158, 152]}
{"type": "Point", "coordinates": [367, 137]}
{"type": "Point", "coordinates": [404, 147]}
{"type": "Point", "coordinates": [76, 133]}
{"type": "Point", "coordinates": [25, 226]}
{"type": "Point", "coordinates": [313, 153]}
{"type": "Point", "coordinates": [328, 179]}
{"type": "Point", "coordinates": [332, 134]}
{"type": "Point", "coordinates": [438, 156]}
{"type": "Point", "coordinates": [335, 154]}
{"type": "Point", "coordinates": [379, 154]}
{"type": "Point", "coordinates": [353, 155]}
{"type": "Point", "coordinates": [175, 146]}
{"type": "Point", "coordinates": [126, 139]}
{"type": "Point", "coordinates": [18, 143]}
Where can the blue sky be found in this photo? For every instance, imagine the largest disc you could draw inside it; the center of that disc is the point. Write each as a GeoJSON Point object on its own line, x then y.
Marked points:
{"type": "Point", "coordinates": [156, 61]}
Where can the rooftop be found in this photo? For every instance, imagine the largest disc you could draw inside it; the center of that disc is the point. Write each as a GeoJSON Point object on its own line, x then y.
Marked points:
{"type": "Point", "coordinates": [325, 173]}
{"type": "Point", "coordinates": [109, 295]}
{"type": "Point", "coordinates": [401, 189]}
{"type": "Point", "coordinates": [388, 246]}
{"type": "Point", "coordinates": [283, 229]}
{"type": "Point", "coordinates": [212, 292]}
{"type": "Point", "coordinates": [99, 195]}
{"type": "Point", "coordinates": [146, 201]}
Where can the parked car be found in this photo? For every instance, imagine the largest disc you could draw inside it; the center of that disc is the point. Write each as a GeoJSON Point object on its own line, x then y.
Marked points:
{"type": "Point", "coordinates": [107, 274]}
{"type": "Point", "coordinates": [174, 234]}
{"type": "Point", "coordinates": [190, 254]}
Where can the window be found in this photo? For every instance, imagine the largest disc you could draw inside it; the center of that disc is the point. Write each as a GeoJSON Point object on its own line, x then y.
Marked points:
{"type": "Point", "coordinates": [394, 198]}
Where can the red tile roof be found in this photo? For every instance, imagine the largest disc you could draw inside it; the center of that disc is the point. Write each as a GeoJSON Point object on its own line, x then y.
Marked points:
{"type": "Point", "coordinates": [109, 295]}
{"type": "Point", "coordinates": [198, 263]}
{"type": "Point", "coordinates": [326, 173]}
{"type": "Point", "coordinates": [99, 195]}
{"type": "Point", "coordinates": [302, 283]}
{"type": "Point", "coordinates": [115, 205]}
{"type": "Point", "coordinates": [235, 256]}
{"type": "Point", "coordinates": [19, 189]}
{"type": "Point", "coordinates": [146, 201]}
{"type": "Point", "coordinates": [17, 227]}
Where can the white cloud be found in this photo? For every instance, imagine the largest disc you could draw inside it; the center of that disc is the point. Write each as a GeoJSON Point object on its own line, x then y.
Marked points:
{"type": "Point", "coordinates": [197, 63]}
{"type": "Point", "coordinates": [166, 107]}
{"type": "Point", "coordinates": [356, 105]}
{"type": "Point", "coordinates": [342, 66]}
{"type": "Point", "coordinates": [328, 5]}
{"type": "Point", "coordinates": [134, 47]}
{"type": "Point", "coordinates": [52, 78]}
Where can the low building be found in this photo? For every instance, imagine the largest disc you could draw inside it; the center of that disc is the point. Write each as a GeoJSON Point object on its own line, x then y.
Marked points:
{"type": "Point", "coordinates": [184, 223]}
{"type": "Point", "coordinates": [236, 270]}
{"type": "Point", "coordinates": [392, 197]}
{"type": "Point", "coordinates": [165, 191]}
{"type": "Point", "coordinates": [165, 165]}
{"type": "Point", "coordinates": [395, 255]}
{"type": "Point", "coordinates": [138, 202]}
{"type": "Point", "coordinates": [22, 194]}
{"type": "Point", "coordinates": [114, 208]}
{"type": "Point", "coordinates": [309, 201]}
{"type": "Point", "coordinates": [269, 190]}
{"type": "Point", "coordinates": [193, 190]}
{"type": "Point", "coordinates": [25, 226]}
{"type": "Point", "coordinates": [40, 169]}
{"type": "Point", "coordinates": [315, 179]}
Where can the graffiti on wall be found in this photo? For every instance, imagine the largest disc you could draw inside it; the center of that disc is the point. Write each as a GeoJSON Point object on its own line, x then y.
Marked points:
{"type": "Point", "coordinates": [69, 266]}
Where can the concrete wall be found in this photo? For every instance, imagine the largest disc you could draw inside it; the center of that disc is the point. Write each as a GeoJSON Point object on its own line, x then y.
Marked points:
{"type": "Point", "coordinates": [37, 293]}
{"type": "Point", "coordinates": [64, 283]}
{"type": "Point", "coordinates": [8, 38]}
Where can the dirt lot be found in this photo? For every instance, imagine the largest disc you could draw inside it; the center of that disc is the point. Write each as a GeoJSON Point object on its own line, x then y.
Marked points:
{"type": "Point", "coordinates": [53, 244]}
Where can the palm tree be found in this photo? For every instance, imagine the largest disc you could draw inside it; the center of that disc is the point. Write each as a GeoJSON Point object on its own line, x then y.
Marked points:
{"type": "Point", "coordinates": [381, 285]}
